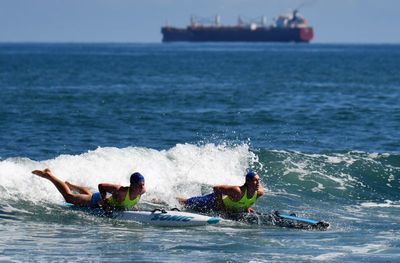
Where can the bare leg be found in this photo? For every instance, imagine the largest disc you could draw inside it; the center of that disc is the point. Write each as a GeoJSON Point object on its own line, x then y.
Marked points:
{"type": "Point", "coordinates": [76, 199]}
{"type": "Point", "coordinates": [79, 189]}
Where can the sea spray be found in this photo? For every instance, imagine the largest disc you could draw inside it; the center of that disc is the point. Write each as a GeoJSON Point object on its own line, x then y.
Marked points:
{"type": "Point", "coordinates": [183, 170]}
{"type": "Point", "coordinates": [187, 170]}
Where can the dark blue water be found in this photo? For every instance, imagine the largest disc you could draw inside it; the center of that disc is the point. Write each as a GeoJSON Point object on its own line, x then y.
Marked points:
{"type": "Point", "coordinates": [321, 123]}
{"type": "Point", "coordinates": [71, 98]}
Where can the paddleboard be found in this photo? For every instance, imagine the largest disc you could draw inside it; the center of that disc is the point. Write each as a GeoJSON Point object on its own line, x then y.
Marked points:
{"type": "Point", "coordinates": [281, 220]}
{"type": "Point", "coordinates": [158, 217]}
{"type": "Point", "coordinates": [162, 217]}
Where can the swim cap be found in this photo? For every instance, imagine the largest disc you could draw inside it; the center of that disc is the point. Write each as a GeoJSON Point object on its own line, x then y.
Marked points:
{"type": "Point", "coordinates": [250, 175]}
{"type": "Point", "coordinates": [136, 178]}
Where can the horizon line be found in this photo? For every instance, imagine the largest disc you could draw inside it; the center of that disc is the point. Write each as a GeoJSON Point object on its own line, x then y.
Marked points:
{"type": "Point", "coordinates": [190, 43]}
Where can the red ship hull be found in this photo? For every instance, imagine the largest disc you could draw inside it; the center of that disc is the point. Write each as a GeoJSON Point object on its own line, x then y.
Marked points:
{"type": "Point", "coordinates": [237, 34]}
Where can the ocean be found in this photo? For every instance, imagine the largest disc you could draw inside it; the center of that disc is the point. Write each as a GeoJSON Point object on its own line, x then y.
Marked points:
{"type": "Point", "coordinates": [320, 123]}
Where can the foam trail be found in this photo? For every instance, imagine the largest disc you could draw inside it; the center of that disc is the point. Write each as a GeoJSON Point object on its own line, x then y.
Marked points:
{"type": "Point", "coordinates": [180, 171]}
{"type": "Point", "coordinates": [358, 176]}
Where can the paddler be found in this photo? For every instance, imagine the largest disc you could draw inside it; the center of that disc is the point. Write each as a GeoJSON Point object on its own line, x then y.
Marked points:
{"type": "Point", "coordinates": [228, 199]}
{"type": "Point", "coordinates": [122, 197]}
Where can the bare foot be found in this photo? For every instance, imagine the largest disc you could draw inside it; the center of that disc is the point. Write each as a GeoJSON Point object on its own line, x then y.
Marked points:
{"type": "Point", "coordinates": [46, 173]}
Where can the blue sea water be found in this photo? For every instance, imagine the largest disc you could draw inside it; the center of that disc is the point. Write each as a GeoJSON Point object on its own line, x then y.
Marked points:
{"type": "Point", "coordinates": [320, 123]}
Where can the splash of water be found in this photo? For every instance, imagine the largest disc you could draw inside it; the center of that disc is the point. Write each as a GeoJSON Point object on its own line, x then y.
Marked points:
{"type": "Point", "coordinates": [183, 170]}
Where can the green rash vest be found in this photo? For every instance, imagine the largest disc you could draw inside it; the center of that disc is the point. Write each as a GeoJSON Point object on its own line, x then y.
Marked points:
{"type": "Point", "coordinates": [243, 204]}
{"type": "Point", "coordinates": [126, 204]}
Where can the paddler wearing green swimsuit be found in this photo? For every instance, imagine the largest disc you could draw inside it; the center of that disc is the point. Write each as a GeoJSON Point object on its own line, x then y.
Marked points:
{"type": "Point", "coordinates": [122, 197]}
{"type": "Point", "coordinates": [236, 199]}
{"type": "Point", "coordinates": [228, 198]}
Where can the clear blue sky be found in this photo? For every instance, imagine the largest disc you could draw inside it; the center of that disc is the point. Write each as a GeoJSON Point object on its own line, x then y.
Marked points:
{"type": "Point", "coordinates": [334, 21]}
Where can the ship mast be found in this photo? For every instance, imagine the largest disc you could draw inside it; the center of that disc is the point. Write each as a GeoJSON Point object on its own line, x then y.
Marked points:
{"type": "Point", "coordinates": [218, 20]}
{"type": "Point", "coordinates": [193, 21]}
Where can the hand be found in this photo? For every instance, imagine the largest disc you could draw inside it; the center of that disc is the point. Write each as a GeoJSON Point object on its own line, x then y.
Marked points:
{"type": "Point", "coordinates": [250, 210]}
{"type": "Point", "coordinates": [104, 205]}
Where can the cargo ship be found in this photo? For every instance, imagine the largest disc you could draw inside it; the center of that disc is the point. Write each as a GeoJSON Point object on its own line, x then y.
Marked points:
{"type": "Point", "coordinates": [286, 28]}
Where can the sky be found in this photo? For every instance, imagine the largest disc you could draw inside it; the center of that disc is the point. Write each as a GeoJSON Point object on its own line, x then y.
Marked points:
{"type": "Point", "coordinates": [127, 21]}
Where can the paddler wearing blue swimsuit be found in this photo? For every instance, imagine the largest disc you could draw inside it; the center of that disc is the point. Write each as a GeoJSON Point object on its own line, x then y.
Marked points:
{"type": "Point", "coordinates": [122, 197]}
{"type": "Point", "coordinates": [227, 198]}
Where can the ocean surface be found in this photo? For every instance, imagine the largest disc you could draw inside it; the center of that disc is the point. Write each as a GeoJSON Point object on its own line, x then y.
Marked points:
{"type": "Point", "coordinates": [320, 123]}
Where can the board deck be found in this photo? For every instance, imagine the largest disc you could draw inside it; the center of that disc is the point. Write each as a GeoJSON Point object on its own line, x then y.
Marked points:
{"type": "Point", "coordinates": [162, 217]}
{"type": "Point", "coordinates": [158, 217]}
{"type": "Point", "coordinates": [281, 220]}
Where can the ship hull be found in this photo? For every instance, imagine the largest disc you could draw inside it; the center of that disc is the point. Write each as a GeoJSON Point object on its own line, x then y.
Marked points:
{"type": "Point", "coordinates": [237, 34]}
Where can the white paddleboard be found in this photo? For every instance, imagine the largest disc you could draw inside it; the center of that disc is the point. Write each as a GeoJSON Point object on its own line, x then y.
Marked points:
{"type": "Point", "coordinates": [167, 218]}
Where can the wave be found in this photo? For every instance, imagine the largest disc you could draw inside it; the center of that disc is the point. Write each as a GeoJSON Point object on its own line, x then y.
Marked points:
{"type": "Point", "coordinates": [291, 178]}
{"type": "Point", "coordinates": [345, 177]}
{"type": "Point", "coordinates": [183, 170]}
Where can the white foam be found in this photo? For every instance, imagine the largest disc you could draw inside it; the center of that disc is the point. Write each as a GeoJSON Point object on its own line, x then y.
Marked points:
{"type": "Point", "coordinates": [367, 249]}
{"type": "Point", "coordinates": [305, 170]}
{"type": "Point", "coordinates": [329, 256]}
{"type": "Point", "coordinates": [391, 178]}
{"type": "Point", "coordinates": [357, 250]}
{"type": "Point", "coordinates": [387, 203]}
{"type": "Point", "coordinates": [179, 171]}
{"type": "Point", "coordinates": [318, 188]}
